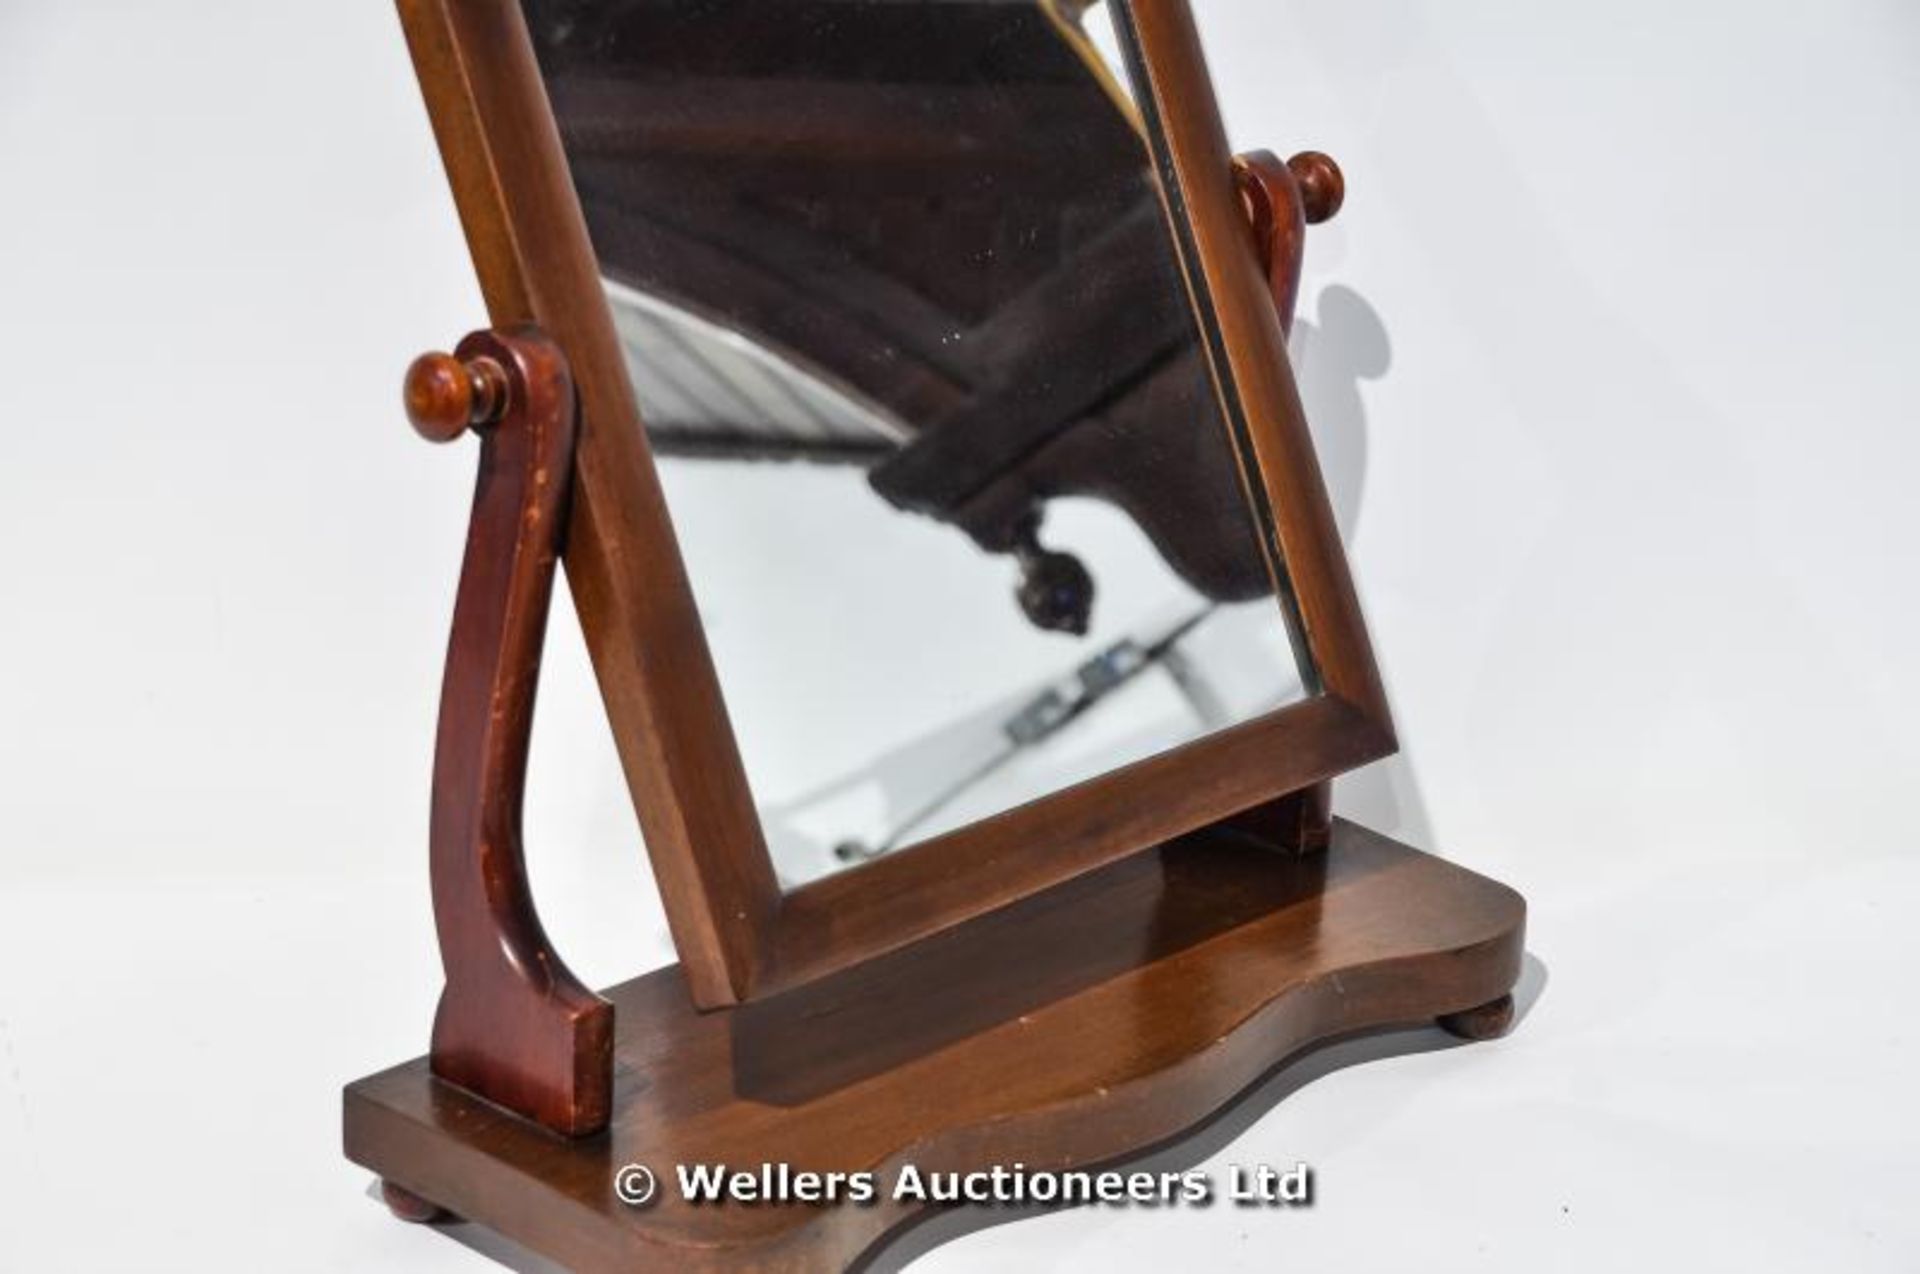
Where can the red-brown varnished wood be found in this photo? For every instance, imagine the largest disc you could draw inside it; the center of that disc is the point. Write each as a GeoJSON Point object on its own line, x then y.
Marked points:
{"type": "Point", "coordinates": [446, 396]}
{"type": "Point", "coordinates": [1298, 823]}
{"type": "Point", "coordinates": [1251, 363]}
{"type": "Point", "coordinates": [513, 1024]}
{"type": "Point", "coordinates": [1281, 201]}
{"type": "Point", "coordinates": [534, 262]}
{"type": "Point", "coordinates": [1271, 199]}
{"type": "Point", "coordinates": [1487, 1021]}
{"type": "Point", "coordinates": [1084, 1024]}
{"type": "Point", "coordinates": [1312, 826]}
{"type": "Point", "coordinates": [408, 1206]}
{"type": "Point", "coordinates": [1323, 187]}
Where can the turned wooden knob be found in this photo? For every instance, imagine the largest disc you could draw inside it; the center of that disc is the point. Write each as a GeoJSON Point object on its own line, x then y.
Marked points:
{"type": "Point", "coordinates": [446, 396]}
{"type": "Point", "coordinates": [1322, 187]}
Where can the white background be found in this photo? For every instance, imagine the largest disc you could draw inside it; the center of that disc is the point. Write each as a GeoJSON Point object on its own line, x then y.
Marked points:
{"type": "Point", "coordinates": [1611, 360]}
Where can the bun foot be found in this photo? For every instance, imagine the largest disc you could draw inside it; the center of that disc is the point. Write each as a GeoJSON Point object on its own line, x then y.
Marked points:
{"type": "Point", "coordinates": [409, 1206]}
{"type": "Point", "coordinates": [1487, 1022]}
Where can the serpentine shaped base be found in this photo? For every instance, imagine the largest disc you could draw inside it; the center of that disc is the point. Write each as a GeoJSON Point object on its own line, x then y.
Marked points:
{"type": "Point", "coordinates": [1082, 1026]}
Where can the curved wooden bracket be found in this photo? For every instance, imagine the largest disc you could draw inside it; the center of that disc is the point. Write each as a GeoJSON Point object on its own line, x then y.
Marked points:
{"type": "Point", "coordinates": [1281, 201]}
{"type": "Point", "coordinates": [514, 1025]}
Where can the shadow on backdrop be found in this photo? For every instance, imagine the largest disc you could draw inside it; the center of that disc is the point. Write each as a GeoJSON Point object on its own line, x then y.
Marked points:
{"type": "Point", "coordinates": [1335, 351]}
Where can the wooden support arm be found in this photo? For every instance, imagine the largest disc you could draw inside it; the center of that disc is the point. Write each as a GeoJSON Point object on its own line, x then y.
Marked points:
{"type": "Point", "coordinates": [514, 1025]}
{"type": "Point", "coordinates": [1281, 201]}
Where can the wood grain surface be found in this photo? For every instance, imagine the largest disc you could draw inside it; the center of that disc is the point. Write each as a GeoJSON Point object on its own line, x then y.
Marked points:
{"type": "Point", "coordinates": [1087, 1023]}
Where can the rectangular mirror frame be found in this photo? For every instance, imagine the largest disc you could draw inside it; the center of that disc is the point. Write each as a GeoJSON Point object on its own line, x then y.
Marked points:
{"type": "Point", "coordinates": [738, 935]}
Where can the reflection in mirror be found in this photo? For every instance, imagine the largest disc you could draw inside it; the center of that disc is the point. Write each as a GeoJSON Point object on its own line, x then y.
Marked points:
{"type": "Point", "coordinates": [906, 321]}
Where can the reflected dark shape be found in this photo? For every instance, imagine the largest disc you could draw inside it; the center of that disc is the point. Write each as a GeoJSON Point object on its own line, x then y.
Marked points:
{"type": "Point", "coordinates": [1056, 590]}
{"type": "Point", "coordinates": [937, 228]}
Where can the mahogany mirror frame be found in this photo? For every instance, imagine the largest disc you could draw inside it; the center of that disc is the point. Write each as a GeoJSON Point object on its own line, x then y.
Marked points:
{"type": "Point", "coordinates": [739, 935]}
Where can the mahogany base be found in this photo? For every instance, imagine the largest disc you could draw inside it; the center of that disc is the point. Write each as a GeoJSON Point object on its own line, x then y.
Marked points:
{"type": "Point", "coordinates": [1081, 1026]}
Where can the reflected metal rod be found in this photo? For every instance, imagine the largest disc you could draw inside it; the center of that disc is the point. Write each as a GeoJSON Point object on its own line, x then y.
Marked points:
{"type": "Point", "coordinates": [1039, 719]}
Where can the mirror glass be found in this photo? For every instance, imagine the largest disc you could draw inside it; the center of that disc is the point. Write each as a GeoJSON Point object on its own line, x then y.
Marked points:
{"type": "Point", "coordinates": [906, 321]}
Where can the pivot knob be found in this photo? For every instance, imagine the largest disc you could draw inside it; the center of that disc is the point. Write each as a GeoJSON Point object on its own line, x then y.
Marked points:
{"type": "Point", "coordinates": [446, 396]}
{"type": "Point", "coordinates": [1323, 188]}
